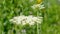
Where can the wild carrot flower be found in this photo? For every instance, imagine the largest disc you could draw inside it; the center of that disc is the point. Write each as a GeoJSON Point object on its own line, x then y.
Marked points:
{"type": "Point", "coordinates": [31, 20]}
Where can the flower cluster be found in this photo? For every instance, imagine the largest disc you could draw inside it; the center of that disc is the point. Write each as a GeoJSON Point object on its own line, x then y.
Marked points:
{"type": "Point", "coordinates": [39, 5]}
{"type": "Point", "coordinates": [31, 20]}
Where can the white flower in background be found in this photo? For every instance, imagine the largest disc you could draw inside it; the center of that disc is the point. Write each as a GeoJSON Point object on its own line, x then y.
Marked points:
{"type": "Point", "coordinates": [31, 20]}
{"type": "Point", "coordinates": [40, 6]}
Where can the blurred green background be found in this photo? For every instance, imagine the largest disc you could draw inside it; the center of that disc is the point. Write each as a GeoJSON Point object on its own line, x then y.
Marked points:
{"type": "Point", "coordinates": [11, 8]}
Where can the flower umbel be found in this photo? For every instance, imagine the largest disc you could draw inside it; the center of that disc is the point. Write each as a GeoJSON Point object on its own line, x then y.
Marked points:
{"type": "Point", "coordinates": [31, 20]}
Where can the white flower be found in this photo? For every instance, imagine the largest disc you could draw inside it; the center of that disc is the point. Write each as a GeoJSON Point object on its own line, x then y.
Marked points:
{"type": "Point", "coordinates": [40, 6]}
{"type": "Point", "coordinates": [31, 23]}
{"type": "Point", "coordinates": [34, 19]}
{"type": "Point", "coordinates": [23, 22]}
{"type": "Point", "coordinates": [31, 20]}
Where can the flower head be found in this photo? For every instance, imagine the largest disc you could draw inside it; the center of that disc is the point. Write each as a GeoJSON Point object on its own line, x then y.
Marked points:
{"type": "Point", "coordinates": [31, 20]}
{"type": "Point", "coordinates": [39, 6]}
